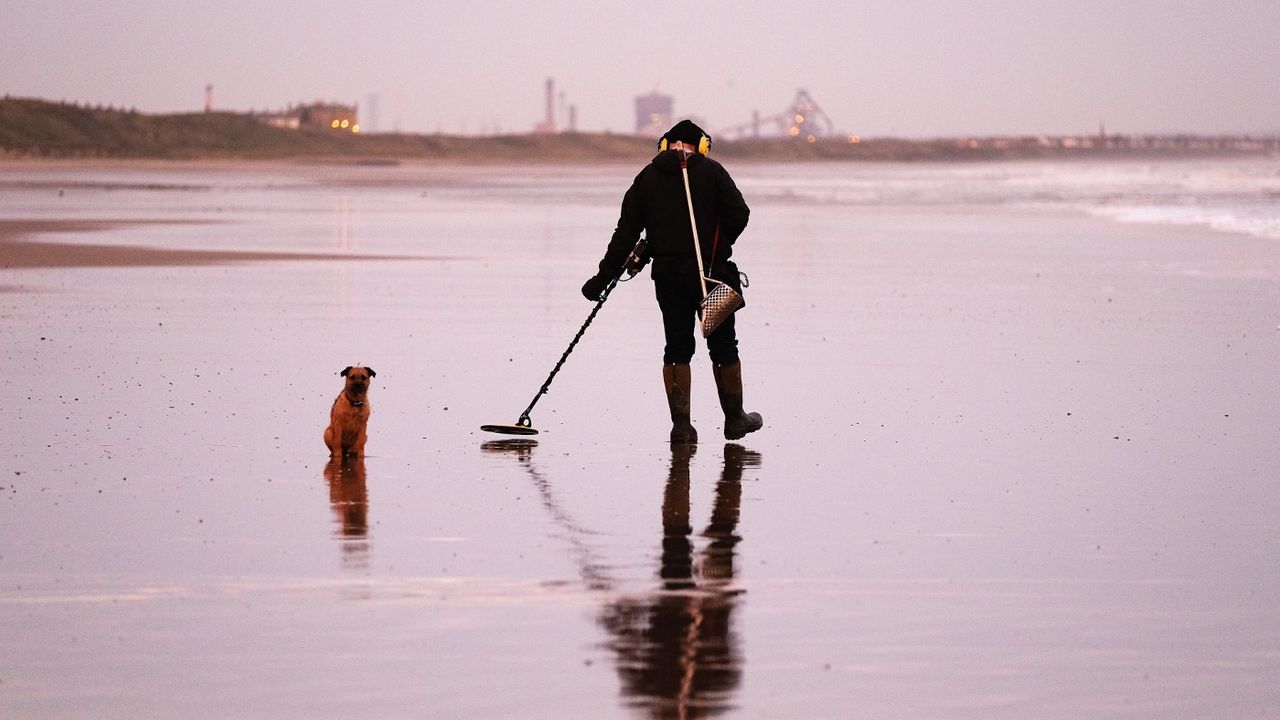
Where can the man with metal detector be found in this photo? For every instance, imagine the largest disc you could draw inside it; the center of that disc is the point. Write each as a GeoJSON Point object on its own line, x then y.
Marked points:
{"type": "Point", "coordinates": [681, 183]}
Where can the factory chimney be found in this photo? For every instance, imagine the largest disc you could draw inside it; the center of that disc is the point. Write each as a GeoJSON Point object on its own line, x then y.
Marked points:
{"type": "Point", "coordinates": [208, 98]}
{"type": "Point", "coordinates": [551, 105]}
{"type": "Point", "coordinates": [548, 125]}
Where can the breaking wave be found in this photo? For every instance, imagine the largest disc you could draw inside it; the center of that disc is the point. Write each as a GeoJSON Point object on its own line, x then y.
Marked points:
{"type": "Point", "coordinates": [1229, 195]}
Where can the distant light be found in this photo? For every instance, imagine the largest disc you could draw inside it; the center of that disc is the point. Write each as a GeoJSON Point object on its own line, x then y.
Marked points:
{"type": "Point", "coordinates": [854, 139]}
{"type": "Point", "coordinates": [335, 123]}
{"type": "Point", "coordinates": [794, 131]}
{"type": "Point", "coordinates": [811, 139]}
{"type": "Point", "coordinates": [355, 128]}
{"type": "Point", "coordinates": [799, 118]}
{"type": "Point", "coordinates": [346, 123]}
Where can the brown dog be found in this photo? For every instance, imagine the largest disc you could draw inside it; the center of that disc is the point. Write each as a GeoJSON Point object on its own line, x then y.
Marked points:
{"type": "Point", "coordinates": [349, 417]}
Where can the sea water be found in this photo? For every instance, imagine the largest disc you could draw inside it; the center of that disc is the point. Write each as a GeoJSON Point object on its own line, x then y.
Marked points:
{"type": "Point", "coordinates": [1230, 195]}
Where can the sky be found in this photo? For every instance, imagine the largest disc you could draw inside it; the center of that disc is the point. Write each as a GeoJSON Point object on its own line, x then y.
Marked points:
{"type": "Point", "coordinates": [904, 68]}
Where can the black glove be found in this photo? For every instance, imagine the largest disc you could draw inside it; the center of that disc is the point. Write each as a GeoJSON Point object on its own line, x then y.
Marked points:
{"type": "Point", "coordinates": [592, 288]}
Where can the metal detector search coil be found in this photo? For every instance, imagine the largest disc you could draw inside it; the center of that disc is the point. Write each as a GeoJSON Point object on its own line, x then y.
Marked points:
{"type": "Point", "coordinates": [503, 429]}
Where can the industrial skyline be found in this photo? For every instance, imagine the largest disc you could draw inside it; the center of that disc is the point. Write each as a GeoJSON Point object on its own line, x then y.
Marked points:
{"type": "Point", "coordinates": [908, 69]}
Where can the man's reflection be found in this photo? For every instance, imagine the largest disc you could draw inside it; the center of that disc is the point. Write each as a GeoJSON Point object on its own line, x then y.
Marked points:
{"type": "Point", "coordinates": [349, 498]}
{"type": "Point", "coordinates": [677, 650]}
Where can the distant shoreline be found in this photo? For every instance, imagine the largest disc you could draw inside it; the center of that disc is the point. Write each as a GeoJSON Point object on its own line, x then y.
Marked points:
{"type": "Point", "coordinates": [38, 131]}
{"type": "Point", "coordinates": [723, 151]}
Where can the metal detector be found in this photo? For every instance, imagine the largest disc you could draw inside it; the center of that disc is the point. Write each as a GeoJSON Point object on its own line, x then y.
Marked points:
{"type": "Point", "coordinates": [524, 426]}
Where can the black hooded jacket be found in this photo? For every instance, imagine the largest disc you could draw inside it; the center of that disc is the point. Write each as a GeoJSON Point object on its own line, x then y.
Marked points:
{"type": "Point", "coordinates": [656, 205]}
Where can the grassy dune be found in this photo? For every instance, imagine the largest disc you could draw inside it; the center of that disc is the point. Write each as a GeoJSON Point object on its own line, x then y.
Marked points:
{"type": "Point", "coordinates": [35, 128]}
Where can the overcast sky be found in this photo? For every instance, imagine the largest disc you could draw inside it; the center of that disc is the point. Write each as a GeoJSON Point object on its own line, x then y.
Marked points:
{"type": "Point", "coordinates": [906, 67]}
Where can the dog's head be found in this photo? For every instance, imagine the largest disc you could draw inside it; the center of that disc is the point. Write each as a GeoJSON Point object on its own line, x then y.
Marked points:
{"type": "Point", "coordinates": [358, 379]}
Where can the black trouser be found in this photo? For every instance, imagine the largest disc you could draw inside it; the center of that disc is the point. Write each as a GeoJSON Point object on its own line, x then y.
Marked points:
{"type": "Point", "coordinates": [679, 297]}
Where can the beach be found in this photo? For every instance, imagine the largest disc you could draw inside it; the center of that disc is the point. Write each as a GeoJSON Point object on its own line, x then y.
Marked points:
{"type": "Point", "coordinates": [1021, 433]}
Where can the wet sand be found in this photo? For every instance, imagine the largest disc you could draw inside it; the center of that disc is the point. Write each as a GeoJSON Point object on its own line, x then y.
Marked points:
{"type": "Point", "coordinates": [17, 252]}
{"type": "Point", "coordinates": [1015, 464]}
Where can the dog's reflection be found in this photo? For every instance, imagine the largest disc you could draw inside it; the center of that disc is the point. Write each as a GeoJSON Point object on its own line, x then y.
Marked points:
{"type": "Point", "coordinates": [677, 649]}
{"type": "Point", "coordinates": [349, 498]}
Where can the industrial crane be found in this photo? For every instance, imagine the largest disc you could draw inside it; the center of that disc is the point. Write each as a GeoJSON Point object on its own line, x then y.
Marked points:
{"type": "Point", "coordinates": [803, 119]}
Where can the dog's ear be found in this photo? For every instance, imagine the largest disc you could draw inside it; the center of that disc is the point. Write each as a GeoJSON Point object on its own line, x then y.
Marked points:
{"type": "Point", "coordinates": [371, 372]}
{"type": "Point", "coordinates": [345, 370]}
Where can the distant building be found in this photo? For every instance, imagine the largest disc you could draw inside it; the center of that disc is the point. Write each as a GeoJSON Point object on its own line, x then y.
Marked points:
{"type": "Point", "coordinates": [288, 120]}
{"type": "Point", "coordinates": [654, 113]}
{"type": "Point", "coordinates": [315, 116]}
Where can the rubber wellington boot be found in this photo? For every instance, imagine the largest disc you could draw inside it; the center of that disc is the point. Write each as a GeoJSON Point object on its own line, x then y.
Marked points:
{"type": "Point", "coordinates": [729, 384]}
{"type": "Point", "coordinates": [677, 380]}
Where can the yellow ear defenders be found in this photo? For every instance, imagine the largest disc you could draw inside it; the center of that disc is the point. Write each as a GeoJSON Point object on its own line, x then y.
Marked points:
{"type": "Point", "coordinates": [704, 144]}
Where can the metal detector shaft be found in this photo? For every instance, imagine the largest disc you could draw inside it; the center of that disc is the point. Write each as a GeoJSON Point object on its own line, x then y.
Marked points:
{"type": "Point", "coordinates": [524, 416]}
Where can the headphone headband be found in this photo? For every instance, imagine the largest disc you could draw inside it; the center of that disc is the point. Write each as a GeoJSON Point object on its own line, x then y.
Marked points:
{"type": "Point", "coordinates": [704, 144]}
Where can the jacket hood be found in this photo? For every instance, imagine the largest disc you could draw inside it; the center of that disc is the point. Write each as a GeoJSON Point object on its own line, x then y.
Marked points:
{"type": "Point", "coordinates": [668, 161]}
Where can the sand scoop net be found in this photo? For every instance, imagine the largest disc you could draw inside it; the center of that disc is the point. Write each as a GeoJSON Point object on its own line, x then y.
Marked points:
{"type": "Point", "coordinates": [719, 304]}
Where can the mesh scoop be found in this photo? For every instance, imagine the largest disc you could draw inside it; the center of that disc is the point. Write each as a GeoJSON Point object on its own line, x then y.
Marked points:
{"type": "Point", "coordinates": [718, 305]}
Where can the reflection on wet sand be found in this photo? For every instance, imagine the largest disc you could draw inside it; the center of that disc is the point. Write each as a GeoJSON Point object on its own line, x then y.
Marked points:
{"type": "Point", "coordinates": [590, 568]}
{"type": "Point", "coordinates": [676, 649]}
{"type": "Point", "coordinates": [678, 654]}
{"type": "Point", "coordinates": [349, 498]}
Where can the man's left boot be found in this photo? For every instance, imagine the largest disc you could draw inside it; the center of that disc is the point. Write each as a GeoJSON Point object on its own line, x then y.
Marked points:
{"type": "Point", "coordinates": [729, 385]}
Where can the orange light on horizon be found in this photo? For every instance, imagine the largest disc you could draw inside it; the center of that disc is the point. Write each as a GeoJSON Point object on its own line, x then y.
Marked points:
{"type": "Point", "coordinates": [811, 139]}
{"type": "Point", "coordinates": [355, 128]}
{"type": "Point", "coordinates": [335, 124]}
{"type": "Point", "coordinates": [854, 139]}
{"type": "Point", "coordinates": [345, 123]}
{"type": "Point", "coordinates": [794, 131]}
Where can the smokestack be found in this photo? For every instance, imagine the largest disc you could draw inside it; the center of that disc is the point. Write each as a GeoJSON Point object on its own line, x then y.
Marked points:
{"type": "Point", "coordinates": [208, 98]}
{"type": "Point", "coordinates": [551, 105]}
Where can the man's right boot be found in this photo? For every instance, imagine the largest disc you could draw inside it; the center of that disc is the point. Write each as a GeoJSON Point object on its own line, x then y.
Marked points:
{"type": "Point", "coordinates": [737, 423]}
{"type": "Point", "coordinates": [677, 380]}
